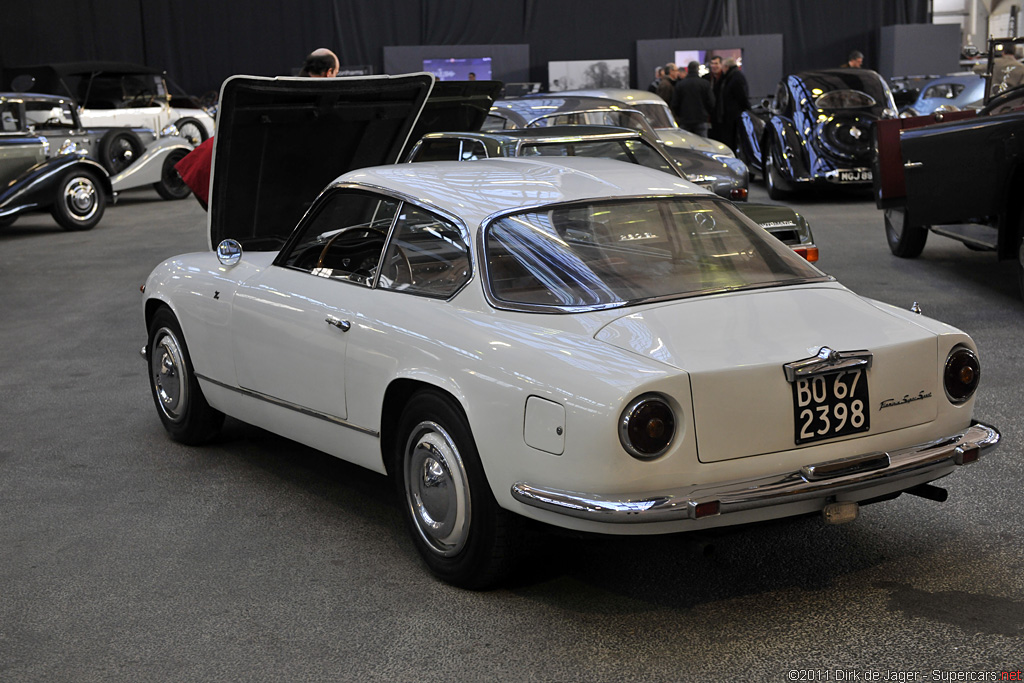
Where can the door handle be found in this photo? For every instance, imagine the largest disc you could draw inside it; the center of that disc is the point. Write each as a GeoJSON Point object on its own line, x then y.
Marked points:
{"type": "Point", "coordinates": [342, 325]}
{"type": "Point", "coordinates": [913, 164]}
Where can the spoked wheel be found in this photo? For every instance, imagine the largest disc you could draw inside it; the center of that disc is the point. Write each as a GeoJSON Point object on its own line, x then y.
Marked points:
{"type": "Point", "coordinates": [180, 403]}
{"type": "Point", "coordinates": [79, 201]}
{"type": "Point", "coordinates": [771, 175]}
{"type": "Point", "coordinates": [905, 241]}
{"type": "Point", "coordinates": [456, 524]}
{"type": "Point", "coordinates": [192, 130]}
{"type": "Point", "coordinates": [171, 186]}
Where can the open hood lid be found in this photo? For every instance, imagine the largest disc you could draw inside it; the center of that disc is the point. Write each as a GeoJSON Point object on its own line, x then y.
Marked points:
{"type": "Point", "coordinates": [280, 141]}
{"type": "Point", "coordinates": [457, 106]}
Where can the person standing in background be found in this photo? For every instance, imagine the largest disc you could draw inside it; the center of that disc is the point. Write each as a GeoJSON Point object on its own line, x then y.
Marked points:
{"type": "Point", "coordinates": [735, 100]}
{"type": "Point", "coordinates": [694, 102]}
{"type": "Point", "coordinates": [666, 86]}
{"type": "Point", "coordinates": [714, 77]}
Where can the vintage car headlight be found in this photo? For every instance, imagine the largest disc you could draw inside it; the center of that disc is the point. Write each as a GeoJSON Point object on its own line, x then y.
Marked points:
{"type": "Point", "coordinates": [170, 130]}
{"type": "Point", "coordinates": [961, 375]}
{"type": "Point", "coordinates": [647, 426]}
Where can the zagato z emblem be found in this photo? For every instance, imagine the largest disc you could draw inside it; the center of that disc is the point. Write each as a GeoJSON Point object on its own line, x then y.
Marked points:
{"type": "Point", "coordinates": [216, 295]}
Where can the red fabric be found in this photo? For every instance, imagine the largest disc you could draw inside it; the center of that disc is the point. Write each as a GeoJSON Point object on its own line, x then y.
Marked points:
{"type": "Point", "coordinates": [194, 169]}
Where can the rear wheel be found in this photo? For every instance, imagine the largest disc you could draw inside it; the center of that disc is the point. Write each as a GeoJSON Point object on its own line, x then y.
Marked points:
{"type": "Point", "coordinates": [171, 186]}
{"type": "Point", "coordinates": [455, 523]}
{"type": "Point", "coordinates": [905, 241]}
{"type": "Point", "coordinates": [79, 201]}
{"type": "Point", "coordinates": [192, 130]}
{"type": "Point", "coordinates": [771, 174]}
{"type": "Point", "coordinates": [180, 403]}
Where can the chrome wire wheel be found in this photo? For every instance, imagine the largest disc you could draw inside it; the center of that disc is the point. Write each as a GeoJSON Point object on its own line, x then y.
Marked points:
{"type": "Point", "coordinates": [169, 375]}
{"type": "Point", "coordinates": [437, 489]}
{"type": "Point", "coordinates": [80, 197]}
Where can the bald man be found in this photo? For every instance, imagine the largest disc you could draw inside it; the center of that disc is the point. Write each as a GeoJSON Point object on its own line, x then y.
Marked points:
{"type": "Point", "coordinates": [320, 63]}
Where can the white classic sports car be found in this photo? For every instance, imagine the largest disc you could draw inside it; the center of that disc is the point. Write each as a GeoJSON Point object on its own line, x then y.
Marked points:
{"type": "Point", "coordinates": [587, 343]}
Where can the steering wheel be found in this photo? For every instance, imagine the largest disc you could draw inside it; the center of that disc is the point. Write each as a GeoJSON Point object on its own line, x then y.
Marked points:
{"type": "Point", "coordinates": [366, 274]}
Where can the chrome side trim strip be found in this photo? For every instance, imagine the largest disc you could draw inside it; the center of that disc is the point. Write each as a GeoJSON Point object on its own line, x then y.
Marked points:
{"type": "Point", "coordinates": [751, 494]}
{"type": "Point", "coordinates": [290, 406]}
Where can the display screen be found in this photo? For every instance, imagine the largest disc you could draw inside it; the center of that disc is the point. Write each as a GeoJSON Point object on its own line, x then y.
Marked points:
{"type": "Point", "coordinates": [702, 57]}
{"type": "Point", "coordinates": [472, 69]}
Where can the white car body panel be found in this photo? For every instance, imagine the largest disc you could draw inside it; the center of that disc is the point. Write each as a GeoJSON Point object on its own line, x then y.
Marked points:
{"type": "Point", "coordinates": [148, 168]}
{"type": "Point", "coordinates": [257, 331]}
{"type": "Point", "coordinates": [155, 118]}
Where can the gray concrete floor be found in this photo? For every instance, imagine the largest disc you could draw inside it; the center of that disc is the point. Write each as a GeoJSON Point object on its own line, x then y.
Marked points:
{"type": "Point", "coordinates": [127, 557]}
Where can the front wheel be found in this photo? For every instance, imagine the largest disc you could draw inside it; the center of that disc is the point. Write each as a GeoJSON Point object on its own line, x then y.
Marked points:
{"type": "Point", "coordinates": [180, 403]}
{"type": "Point", "coordinates": [171, 186]}
{"type": "Point", "coordinates": [78, 201]}
{"type": "Point", "coordinates": [455, 523]}
{"type": "Point", "coordinates": [904, 240]}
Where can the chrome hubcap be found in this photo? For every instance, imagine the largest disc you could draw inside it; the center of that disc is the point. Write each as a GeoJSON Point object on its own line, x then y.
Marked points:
{"type": "Point", "coordinates": [80, 197]}
{"type": "Point", "coordinates": [437, 489]}
{"type": "Point", "coordinates": [167, 369]}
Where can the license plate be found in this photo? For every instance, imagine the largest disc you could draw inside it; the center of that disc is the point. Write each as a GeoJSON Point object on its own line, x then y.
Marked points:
{"type": "Point", "coordinates": [855, 176]}
{"type": "Point", "coordinates": [830, 405]}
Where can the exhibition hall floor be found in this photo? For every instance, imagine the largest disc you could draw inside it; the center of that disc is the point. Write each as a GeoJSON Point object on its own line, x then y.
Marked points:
{"type": "Point", "coordinates": [127, 556]}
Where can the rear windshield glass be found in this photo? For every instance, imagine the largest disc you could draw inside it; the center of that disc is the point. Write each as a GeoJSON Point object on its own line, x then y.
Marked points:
{"type": "Point", "coordinates": [844, 99]}
{"type": "Point", "coordinates": [609, 253]}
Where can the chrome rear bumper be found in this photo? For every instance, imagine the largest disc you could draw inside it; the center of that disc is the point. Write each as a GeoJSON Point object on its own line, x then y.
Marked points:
{"type": "Point", "coordinates": [817, 481]}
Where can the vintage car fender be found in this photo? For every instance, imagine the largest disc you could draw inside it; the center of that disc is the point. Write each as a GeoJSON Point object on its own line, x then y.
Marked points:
{"type": "Point", "coordinates": [752, 129]}
{"type": "Point", "coordinates": [782, 136]}
{"type": "Point", "coordinates": [34, 188]}
{"type": "Point", "coordinates": [148, 168]}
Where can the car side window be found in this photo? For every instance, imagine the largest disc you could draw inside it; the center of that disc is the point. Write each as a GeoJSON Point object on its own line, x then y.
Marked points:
{"type": "Point", "coordinates": [495, 122]}
{"type": "Point", "coordinates": [781, 101]}
{"type": "Point", "coordinates": [428, 255]}
{"type": "Point", "coordinates": [343, 238]}
{"type": "Point", "coordinates": [450, 149]}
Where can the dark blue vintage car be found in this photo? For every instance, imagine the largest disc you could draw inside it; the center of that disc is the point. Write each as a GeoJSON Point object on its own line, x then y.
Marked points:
{"type": "Point", "coordinates": [817, 130]}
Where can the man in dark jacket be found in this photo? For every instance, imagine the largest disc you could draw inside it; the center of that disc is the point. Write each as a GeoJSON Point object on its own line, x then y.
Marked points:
{"type": "Point", "coordinates": [666, 86]}
{"type": "Point", "coordinates": [714, 77]}
{"type": "Point", "coordinates": [734, 101]}
{"type": "Point", "coordinates": [693, 102]}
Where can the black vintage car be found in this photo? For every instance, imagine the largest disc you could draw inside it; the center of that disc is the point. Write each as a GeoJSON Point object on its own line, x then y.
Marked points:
{"type": "Point", "coordinates": [957, 174]}
{"type": "Point", "coordinates": [817, 130]}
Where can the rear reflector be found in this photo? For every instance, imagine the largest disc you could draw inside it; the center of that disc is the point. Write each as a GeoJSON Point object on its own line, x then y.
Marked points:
{"type": "Point", "coordinates": [709, 509]}
{"type": "Point", "coordinates": [965, 456]}
{"type": "Point", "coordinates": [738, 194]}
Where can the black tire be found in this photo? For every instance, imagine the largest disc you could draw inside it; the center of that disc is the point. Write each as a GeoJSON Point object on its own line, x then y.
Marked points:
{"type": "Point", "coordinates": [771, 174]}
{"type": "Point", "coordinates": [118, 149]}
{"type": "Point", "coordinates": [457, 527]}
{"type": "Point", "coordinates": [79, 200]}
{"type": "Point", "coordinates": [171, 186]}
{"type": "Point", "coordinates": [904, 240]}
{"type": "Point", "coordinates": [8, 220]}
{"type": "Point", "coordinates": [192, 130]}
{"type": "Point", "coordinates": [179, 401]}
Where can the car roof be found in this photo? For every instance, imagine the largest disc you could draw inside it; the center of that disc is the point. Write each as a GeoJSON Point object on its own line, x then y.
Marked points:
{"type": "Point", "coordinates": [547, 134]}
{"type": "Point", "coordinates": [474, 190]}
{"type": "Point", "coordinates": [625, 95]}
{"type": "Point", "coordinates": [33, 97]}
{"type": "Point", "coordinates": [537, 106]}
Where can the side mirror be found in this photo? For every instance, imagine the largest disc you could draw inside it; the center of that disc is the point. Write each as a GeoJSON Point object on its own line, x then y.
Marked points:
{"type": "Point", "coordinates": [229, 252]}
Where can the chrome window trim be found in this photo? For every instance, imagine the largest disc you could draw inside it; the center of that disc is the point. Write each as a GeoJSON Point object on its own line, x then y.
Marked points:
{"type": "Point", "coordinates": [503, 305]}
{"type": "Point", "coordinates": [290, 406]}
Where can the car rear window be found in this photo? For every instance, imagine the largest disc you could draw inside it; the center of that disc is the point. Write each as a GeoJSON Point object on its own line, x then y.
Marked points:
{"type": "Point", "coordinates": [845, 99]}
{"type": "Point", "coordinates": [609, 253]}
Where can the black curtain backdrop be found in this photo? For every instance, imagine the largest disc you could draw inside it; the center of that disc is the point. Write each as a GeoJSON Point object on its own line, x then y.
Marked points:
{"type": "Point", "coordinates": [199, 43]}
{"type": "Point", "coordinates": [820, 34]}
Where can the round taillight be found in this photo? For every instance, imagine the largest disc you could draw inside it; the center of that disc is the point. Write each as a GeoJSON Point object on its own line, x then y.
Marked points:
{"type": "Point", "coordinates": [961, 375]}
{"type": "Point", "coordinates": [647, 427]}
